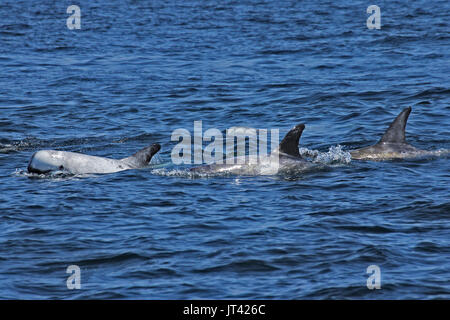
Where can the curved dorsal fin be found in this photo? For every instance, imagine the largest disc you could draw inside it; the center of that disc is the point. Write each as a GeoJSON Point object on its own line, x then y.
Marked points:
{"type": "Point", "coordinates": [289, 144]}
{"type": "Point", "coordinates": [143, 156]}
{"type": "Point", "coordinates": [396, 131]}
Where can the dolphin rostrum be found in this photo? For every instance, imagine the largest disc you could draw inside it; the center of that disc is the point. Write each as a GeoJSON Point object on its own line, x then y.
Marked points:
{"type": "Point", "coordinates": [286, 156]}
{"type": "Point", "coordinates": [392, 144]}
{"type": "Point", "coordinates": [45, 161]}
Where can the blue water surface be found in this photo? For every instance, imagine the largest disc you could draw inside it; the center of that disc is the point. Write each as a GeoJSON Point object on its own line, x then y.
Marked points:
{"type": "Point", "coordinates": [138, 70]}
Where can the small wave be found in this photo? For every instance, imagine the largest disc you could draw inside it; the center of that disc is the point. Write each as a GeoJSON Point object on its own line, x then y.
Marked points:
{"type": "Point", "coordinates": [366, 229]}
{"type": "Point", "coordinates": [21, 145]}
{"type": "Point", "coordinates": [338, 292]}
{"type": "Point", "coordinates": [16, 26]}
{"type": "Point", "coordinates": [243, 266]}
{"type": "Point", "coordinates": [429, 246]}
{"type": "Point", "coordinates": [432, 92]}
{"type": "Point", "coordinates": [185, 173]}
{"type": "Point", "coordinates": [32, 143]}
{"type": "Point", "coordinates": [54, 175]}
{"type": "Point", "coordinates": [7, 148]}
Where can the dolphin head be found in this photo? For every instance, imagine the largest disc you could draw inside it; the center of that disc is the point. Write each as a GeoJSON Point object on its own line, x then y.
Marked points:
{"type": "Point", "coordinates": [45, 161]}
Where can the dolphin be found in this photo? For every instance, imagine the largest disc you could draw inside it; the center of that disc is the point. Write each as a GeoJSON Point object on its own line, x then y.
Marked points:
{"type": "Point", "coordinates": [45, 161]}
{"type": "Point", "coordinates": [285, 157]}
{"type": "Point", "coordinates": [392, 144]}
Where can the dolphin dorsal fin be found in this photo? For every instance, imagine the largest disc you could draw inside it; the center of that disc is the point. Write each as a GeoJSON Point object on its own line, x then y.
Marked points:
{"type": "Point", "coordinates": [143, 156]}
{"type": "Point", "coordinates": [396, 131]}
{"type": "Point", "coordinates": [289, 144]}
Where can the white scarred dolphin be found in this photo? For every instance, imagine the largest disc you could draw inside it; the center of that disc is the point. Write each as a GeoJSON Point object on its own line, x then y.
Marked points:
{"type": "Point", "coordinates": [45, 161]}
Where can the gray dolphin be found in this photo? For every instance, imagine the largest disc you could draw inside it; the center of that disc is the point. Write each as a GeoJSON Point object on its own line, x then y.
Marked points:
{"type": "Point", "coordinates": [286, 156]}
{"type": "Point", "coordinates": [392, 144]}
{"type": "Point", "coordinates": [45, 161]}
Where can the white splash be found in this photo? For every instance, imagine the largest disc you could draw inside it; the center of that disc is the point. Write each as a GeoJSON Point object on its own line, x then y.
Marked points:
{"type": "Point", "coordinates": [335, 155]}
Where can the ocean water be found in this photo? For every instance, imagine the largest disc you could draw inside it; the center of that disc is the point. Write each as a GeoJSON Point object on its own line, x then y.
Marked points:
{"type": "Point", "coordinates": [138, 70]}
